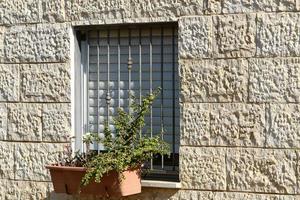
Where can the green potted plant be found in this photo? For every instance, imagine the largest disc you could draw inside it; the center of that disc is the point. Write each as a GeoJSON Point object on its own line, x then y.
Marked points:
{"type": "Point", "coordinates": [117, 170]}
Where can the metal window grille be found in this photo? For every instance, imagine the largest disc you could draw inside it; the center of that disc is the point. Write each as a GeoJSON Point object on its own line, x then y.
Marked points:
{"type": "Point", "coordinates": [118, 61]}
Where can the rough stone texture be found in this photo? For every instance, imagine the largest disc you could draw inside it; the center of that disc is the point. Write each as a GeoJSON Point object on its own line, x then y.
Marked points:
{"type": "Point", "coordinates": [237, 124]}
{"type": "Point", "coordinates": [89, 10]}
{"type": "Point", "coordinates": [2, 33]}
{"type": "Point", "coordinates": [6, 160]}
{"type": "Point", "coordinates": [298, 172]}
{"type": "Point", "coordinates": [262, 170]}
{"type": "Point", "coordinates": [274, 80]}
{"type": "Point", "coordinates": [31, 11]}
{"type": "Point", "coordinates": [3, 121]}
{"type": "Point", "coordinates": [45, 83]}
{"type": "Point", "coordinates": [203, 195]}
{"type": "Point", "coordinates": [31, 158]}
{"type": "Point", "coordinates": [56, 122]}
{"type": "Point", "coordinates": [234, 35]}
{"type": "Point", "coordinates": [53, 10]}
{"type": "Point", "coordinates": [9, 82]}
{"type": "Point", "coordinates": [285, 126]}
{"type": "Point", "coordinates": [213, 6]}
{"type": "Point", "coordinates": [37, 43]}
{"type": "Point", "coordinates": [147, 194]}
{"type": "Point", "coordinates": [108, 11]}
{"type": "Point", "coordinates": [165, 194]}
{"type": "Point", "coordinates": [239, 119]}
{"type": "Point", "coordinates": [278, 34]}
{"type": "Point", "coordinates": [213, 80]}
{"type": "Point", "coordinates": [219, 36]}
{"type": "Point", "coordinates": [246, 6]}
{"type": "Point", "coordinates": [190, 194]}
{"type": "Point", "coordinates": [245, 196]}
{"type": "Point", "coordinates": [24, 190]}
{"type": "Point", "coordinates": [24, 122]}
{"type": "Point", "coordinates": [195, 125]}
{"type": "Point", "coordinates": [155, 193]}
{"type": "Point", "coordinates": [194, 37]}
{"type": "Point", "coordinates": [41, 190]}
{"type": "Point", "coordinates": [202, 168]}
{"type": "Point", "coordinates": [223, 124]}
{"type": "Point", "coordinates": [165, 8]}
{"type": "Point", "coordinates": [19, 11]}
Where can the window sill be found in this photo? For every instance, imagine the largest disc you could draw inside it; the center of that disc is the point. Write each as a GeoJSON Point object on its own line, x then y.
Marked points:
{"type": "Point", "coordinates": [161, 184]}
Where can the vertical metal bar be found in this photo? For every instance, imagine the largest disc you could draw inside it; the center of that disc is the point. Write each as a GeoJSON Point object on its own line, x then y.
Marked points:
{"type": "Point", "coordinates": [162, 89]}
{"type": "Point", "coordinates": [87, 83]}
{"type": "Point", "coordinates": [129, 71]}
{"type": "Point", "coordinates": [77, 89]}
{"type": "Point", "coordinates": [140, 70]}
{"type": "Point", "coordinates": [83, 85]}
{"type": "Point", "coordinates": [119, 69]}
{"type": "Point", "coordinates": [108, 98]}
{"type": "Point", "coordinates": [98, 76]}
{"type": "Point", "coordinates": [151, 113]}
{"type": "Point", "coordinates": [174, 107]}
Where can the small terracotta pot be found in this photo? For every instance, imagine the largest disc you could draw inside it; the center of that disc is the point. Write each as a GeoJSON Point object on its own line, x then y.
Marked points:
{"type": "Point", "coordinates": [67, 180]}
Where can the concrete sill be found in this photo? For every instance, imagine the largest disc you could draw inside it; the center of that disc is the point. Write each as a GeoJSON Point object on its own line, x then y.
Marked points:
{"type": "Point", "coordinates": [161, 184]}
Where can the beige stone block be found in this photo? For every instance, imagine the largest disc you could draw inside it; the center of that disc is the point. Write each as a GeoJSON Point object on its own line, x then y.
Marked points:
{"type": "Point", "coordinates": [251, 196]}
{"type": "Point", "coordinates": [278, 34]}
{"type": "Point", "coordinates": [53, 10]}
{"type": "Point", "coordinates": [194, 194]}
{"type": "Point", "coordinates": [56, 122]}
{"type": "Point", "coordinates": [202, 168]}
{"type": "Point", "coordinates": [3, 121]}
{"type": "Point", "coordinates": [155, 193]}
{"type": "Point", "coordinates": [237, 124]}
{"type": "Point", "coordinates": [194, 39]}
{"type": "Point", "coordinates": [205, 195]}
{"type": "Point", "coordinates": [45, 82]}
{"type": "Point", "coordinates": [223, 125]}
{"type": "Point", "coordinates": [262, 170]}
{"type": "Point", "coordinates": [24, 122]}
{"type": "Point", "coordinates": [6, 160]}
{"type": "Point", "coordinates": [285, 126]}
{"type": "Point", "coordinates": [31, 158]}
{"type": "Point", "coordinates": [37, 43]}
{"type": "Point", "coordinates": [274, 80]}
{"type": "Point", "coordinates": [246, 6]}
{"type": "Point", "coordinates": [19, 11]}
{"type": "Point", "coordinates": [195, 125]}
{"type": "Point", "coordinates": [9, 82]}
{"type": "Point", "coordinates": [213, 6]}
{"type": "Point", "coordinates": [31, 11]}
{"type": "Point", "coordinates": [165, 8]}
{"type": "Point", "coordinates": [213, 80]}
{"type": "Point", "coordinates": [96, 10]}
{"type": "Point", "coordinates": [234, 35]}
{"type": "Point", "coordinates": [14, 190]}
{"type": "Point", "coordinates": [2, 35]}
{"type": "Point", "coordinates": [131, 9]}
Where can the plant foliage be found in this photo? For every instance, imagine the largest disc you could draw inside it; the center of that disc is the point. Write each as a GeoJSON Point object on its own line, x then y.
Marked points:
{"type": "Point", "coordinates": [128, 148]}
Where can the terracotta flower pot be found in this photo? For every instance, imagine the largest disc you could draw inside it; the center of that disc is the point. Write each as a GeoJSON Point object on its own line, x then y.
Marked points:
{"type": "Point", "coordinates": [67, 180]}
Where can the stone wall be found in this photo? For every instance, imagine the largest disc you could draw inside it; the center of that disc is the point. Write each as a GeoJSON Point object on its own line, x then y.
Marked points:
{"type": "Point", "coordinates": [240, 93]}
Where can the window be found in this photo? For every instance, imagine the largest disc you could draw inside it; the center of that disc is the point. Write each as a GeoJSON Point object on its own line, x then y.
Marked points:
{"type": "Point", "coordinates": [118, 60]}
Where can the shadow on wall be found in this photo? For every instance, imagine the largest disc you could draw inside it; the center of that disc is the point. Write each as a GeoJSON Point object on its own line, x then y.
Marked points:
{"type": "Point", "coordinates": [147, 194]}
